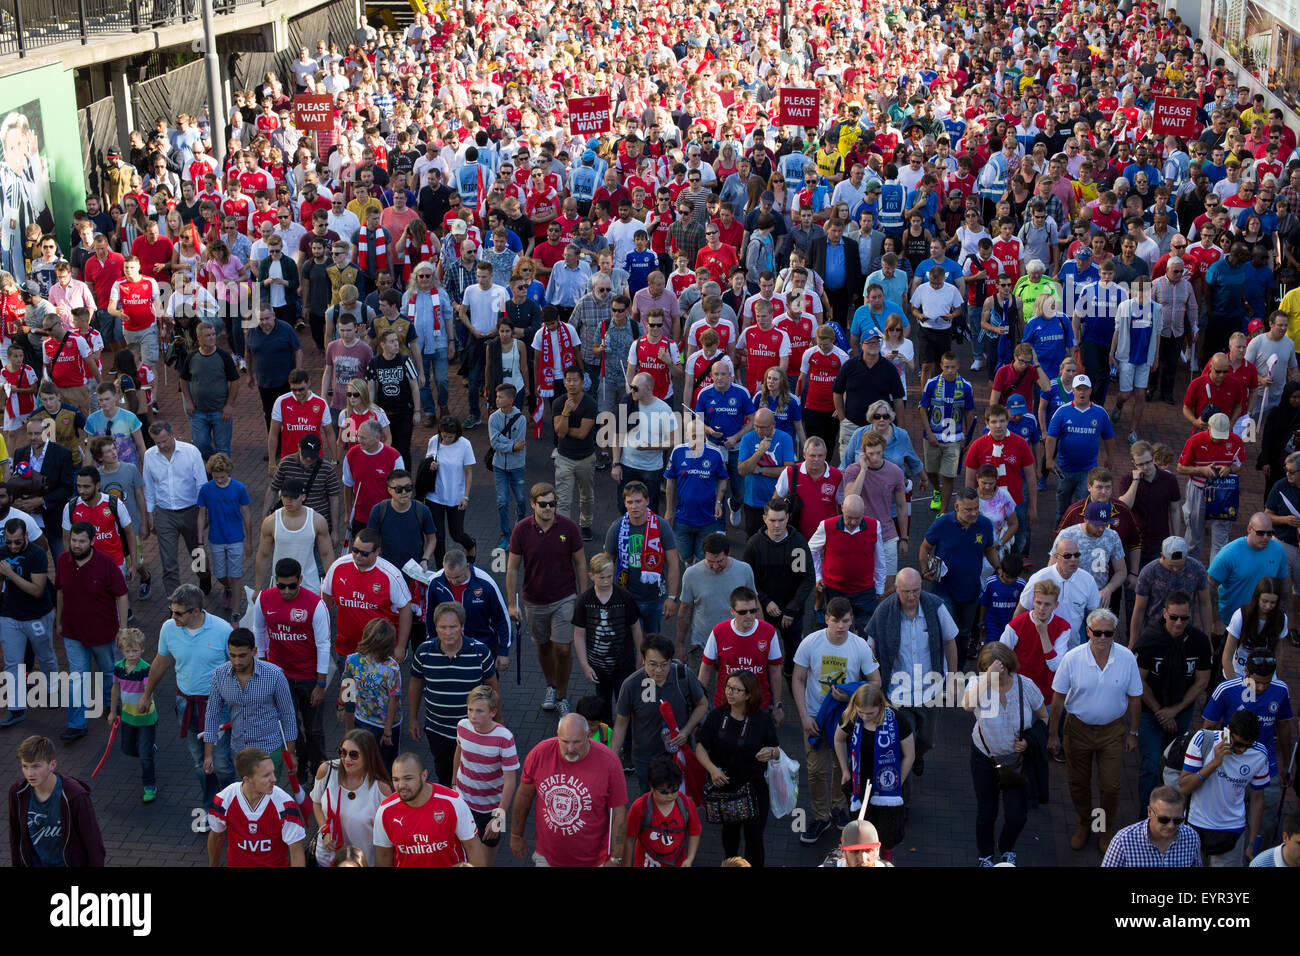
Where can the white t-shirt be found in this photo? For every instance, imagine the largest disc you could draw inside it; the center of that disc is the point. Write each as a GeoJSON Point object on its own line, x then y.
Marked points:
{"type": "Point", "coordinates": [934, 304]}
{"type": "Point", "coordinates": [996, 729]}
{"type": "Point", "coordinates": [452, 459]}
{"type": "Point", "coordinates": [1234, 628]}
{"type": "Point", "coordinates": [829, 663]}
{"type": "Point", "coordinates": [485, 307]}
{"type": "Point", "coordinates": [1220, 803]}
{"type": "Point", "coordinates": [655, 423]}
{"type": "Point", "coordinates": [557, 354]}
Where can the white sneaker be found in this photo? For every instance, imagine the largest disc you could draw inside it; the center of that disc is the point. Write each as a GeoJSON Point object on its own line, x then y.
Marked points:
{"type": "Point", "coordinates": [562, 706]}
{"type": "Point", "coordinates": [548, 702]}
{"type": "Point", "coordinates": [735, 517]}
{"type": "Point", "coordinates": [978, 364]}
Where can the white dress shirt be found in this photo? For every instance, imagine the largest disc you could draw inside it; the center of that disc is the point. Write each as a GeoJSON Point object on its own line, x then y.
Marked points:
{"type": "Point", "coordinates": [173, 484]}
{"type": "Point", "coordinates": [1096, 695]}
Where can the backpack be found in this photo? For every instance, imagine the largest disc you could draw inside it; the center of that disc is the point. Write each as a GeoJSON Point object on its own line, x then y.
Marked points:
{"type": "Point", "coordinates": [679, 805]}
{"type": "Point", "coordinates": [490, 456]}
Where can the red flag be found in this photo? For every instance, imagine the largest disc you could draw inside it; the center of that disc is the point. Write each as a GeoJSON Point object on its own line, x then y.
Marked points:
{"type": "Point", "coordinates": [692, 770]}
{"type": "Point", "coordinates": [112, 735]}
{"type": "Point", "coordinates": [299, 794]}
{"type": "Point", "coordinates": [537, 417]}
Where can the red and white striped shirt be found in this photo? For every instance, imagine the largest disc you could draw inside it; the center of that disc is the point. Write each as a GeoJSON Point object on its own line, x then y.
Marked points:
{"type": "Point", "coordinates": [484, 759]}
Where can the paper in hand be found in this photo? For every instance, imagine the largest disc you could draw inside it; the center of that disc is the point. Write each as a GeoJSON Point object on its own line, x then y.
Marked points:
{"type": "Point", "coordinates": [413, 570]}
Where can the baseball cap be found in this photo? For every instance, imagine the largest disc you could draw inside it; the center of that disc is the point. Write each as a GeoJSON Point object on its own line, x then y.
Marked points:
{"type": "Point", "coordinates": [1017, 405]}
{"type": "Point", "coordinates": [293, 488]}
{"type": "Point", "coordinates": [1083, 252]}
{"type": "Point", "coordinates": [1097, 512]}
{"type": "Point", "coordinates": [871, 333]}
{"type": "Point", "coordinates": [113, 151]}
{"type": "Point", "coordinates": [1256, 325]}
{"type": "Point", "coordinates": [458, 227]}
{"type": "Point", "coordinates": [1081, 380]}
{"type": "Point", "coordinates": [1174, 548]}
{"type": "Point", "coordinates": [1220, 426]}
{"type": "Point", "coordinates": [309, 445]}
{"type": "Point", "coordinates": [589, 156]}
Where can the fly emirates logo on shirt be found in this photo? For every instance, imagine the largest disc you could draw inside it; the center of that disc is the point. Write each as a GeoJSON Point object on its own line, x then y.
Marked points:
{"type": "Point", "coordinates": [566, 799]}
{"type": "Point", "coordinates": [422, 845]}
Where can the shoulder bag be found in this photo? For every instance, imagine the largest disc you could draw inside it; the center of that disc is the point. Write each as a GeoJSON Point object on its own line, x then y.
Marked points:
{"type": "Point", "coordinates": [1010, 766]}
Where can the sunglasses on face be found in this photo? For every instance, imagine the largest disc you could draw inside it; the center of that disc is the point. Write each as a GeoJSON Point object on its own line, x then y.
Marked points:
{"type": "Point", "coordinates": [1165, 821]}
{"type": "Point", "coordinates": [545, 504]}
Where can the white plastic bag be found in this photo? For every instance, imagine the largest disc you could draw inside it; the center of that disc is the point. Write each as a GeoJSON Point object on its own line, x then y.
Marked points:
{"type": "Point", "coordinates": [783, 784]}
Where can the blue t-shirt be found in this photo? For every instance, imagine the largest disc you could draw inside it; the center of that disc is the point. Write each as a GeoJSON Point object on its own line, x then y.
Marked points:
{"type": "Point", "coordinates": [1001, 602]}
{"type": "Point", "coordinates": [864, 318]}
{"type": "Point", "coordinates": [724, 411]}
{"type": "Point", "coordinates": [1226, 284]}
{"type": "Point", "coordinates": [960, 549]}
{"type": "Point", "coordinates": [1139, 335]}
{"type": "Point", "coordinates": [1049, 337]}
{"type": "Point", "coordinates": [1238, 567]}
{"type": "Point", "coordinates": [1259, 289]}
{"type": "Point", "coordinates": [272, 353]}
{"type": "Point", "coordinates": [1270, 705]}
{"type": "Point", "coordinates": [639, 266]}
{"type": "Point", "coordinates": [120, 428]}
{"type": "Point", "coordinates": [946, 415]}
{"type": "Point", "coordinates": [760, 488]}
{"type": "Point", "coordinates": [45, 826]}
{"type": "Point", "coordinates": [1097, 306]}
{"type": "Point", "coordinates": [225, 523]}
{"type": "Point", "coordinates": [696, 477]}
{"type": "Point", "coordinates": [1079, 435]}
{"type": "Point", "coordinates": [1026, 426]}
{"type": "Point", "coordinates": [785, 418]}
{"type": "Point", "coordinates": [951, 271]}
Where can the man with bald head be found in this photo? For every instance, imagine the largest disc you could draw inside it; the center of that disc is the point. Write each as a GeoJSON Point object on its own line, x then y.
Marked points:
{"type": "Point", "coordinates": [649, 429]}
{"type": "Point", "coordinates": [915, 639]}
{"type": "Point", "coordinates": [1214, 391]}
{"type": "Point", "coordinates": [763, 455]}
{"type": "Point", "coordinates": [581, 799]}
{"type": "Point", "coordinates": [848, 554]}
{"type": "Point", "coordinates": [1237, 568]}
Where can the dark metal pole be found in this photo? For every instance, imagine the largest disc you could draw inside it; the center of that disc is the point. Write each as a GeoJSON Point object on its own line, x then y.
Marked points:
{"type": "Point", "coordinates": [81, 19]}
{"type": "Point", "coordinates": [18, 26]}
{"type": "Point", "coordinates": [785, 21]}
{"type": "Point", "coordinates": [216, 107]}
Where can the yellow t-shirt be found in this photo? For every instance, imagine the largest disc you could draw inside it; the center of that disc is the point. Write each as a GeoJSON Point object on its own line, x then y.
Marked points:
{"type": "Point", "coordinates": [1290, 304]}
{"type": "Point", "coordinates": [828, 163]}
{"type": "Point", "coordinates": [358, 210]}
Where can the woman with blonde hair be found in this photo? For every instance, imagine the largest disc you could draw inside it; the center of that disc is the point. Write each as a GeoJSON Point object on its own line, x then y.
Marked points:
{"type": "Point", "coordinates": [876, 753]}
{"type": "Point", "coordinates": [358, 410]}
{"type": "Point", "coordinates": [774, 394]}
{"type": "Point", "coordinates": [1005, 705]}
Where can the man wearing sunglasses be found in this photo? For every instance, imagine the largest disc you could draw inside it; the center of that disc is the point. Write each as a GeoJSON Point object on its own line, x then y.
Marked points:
{"type": "Point", "coordinates": [1098, 689]}
{"type": "Point", "coordinates": [1174, 659]}
{"type": "Point", "coordinates": [361, 586]}
{"type": "Point", "coordinates": [1221, 767]}
{"type": "Point", "coordinates": [1159, 840]}
{"type": "Point", "coordinates": [1239, 565]}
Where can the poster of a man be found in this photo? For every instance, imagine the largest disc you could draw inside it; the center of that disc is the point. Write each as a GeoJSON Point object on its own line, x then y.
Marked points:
{"type": "Point", "coordinates": [24, 186]}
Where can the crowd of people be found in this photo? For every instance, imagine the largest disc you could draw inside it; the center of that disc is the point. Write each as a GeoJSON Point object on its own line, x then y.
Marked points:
{"type": "Point", "coordinates": [769, 337]}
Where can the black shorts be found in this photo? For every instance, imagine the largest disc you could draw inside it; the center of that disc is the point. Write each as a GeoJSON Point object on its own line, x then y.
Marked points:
{"type": "Point", "coordinates": [481, 820]}
{"type": "Point", "coordinates": [934, 343]}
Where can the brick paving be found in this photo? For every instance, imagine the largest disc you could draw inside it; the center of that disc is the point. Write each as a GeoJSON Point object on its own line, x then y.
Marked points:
{"type": "Point", "coordinates": [940, 830]}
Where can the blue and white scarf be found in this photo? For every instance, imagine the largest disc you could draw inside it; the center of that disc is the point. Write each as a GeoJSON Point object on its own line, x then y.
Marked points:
{"type": "Point", "coordinates": [887, 780]}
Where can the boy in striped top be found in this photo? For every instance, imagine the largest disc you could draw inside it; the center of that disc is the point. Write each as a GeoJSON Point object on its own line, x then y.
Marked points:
{"type": "Point", "coordinates": [486, 764]}
{"type": "Point", "coordinates": [130, 675]}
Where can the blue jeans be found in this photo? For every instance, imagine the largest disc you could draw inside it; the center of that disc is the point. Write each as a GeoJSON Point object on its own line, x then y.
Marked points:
{"type": "Point", "coordinates": [1152, 741]}
{"type": "Point", "coordinates": [211, 434]}
{"type": "Point", "coordinates": [509, 484]}
{"type": "Point", "coordinates": [14, 636]}
{"type": "Point", "coordinates": [652, 616]}
{"type": "Point", "coordinates": [81, 660]}
{"type": "Point", "coordinates": [864, 605]}
{"type": "Point", "coordinates": [1070, 487]}
{"type": "Point", "coordinates": [435, 370]}
{"type": "Point", "coordinates": [222, 761]}
{"type": "Point", "coordinates": [139, 742]}
{"type": "Point", "coordinates": [690, 539]}
{"type": "Point", "coordinates": [1021, 540]}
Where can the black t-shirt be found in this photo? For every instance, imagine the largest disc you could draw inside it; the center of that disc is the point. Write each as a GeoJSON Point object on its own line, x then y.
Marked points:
{"type": "Point", "coordinates": [609, 629]}
{"type": "Point", "coordinates": [862, 385]}
{"type": "Point", "coordinates": [393, 378]}
{"type": "Point", "coordinates": [15, 603]}
{"type": "Point", "coordinates": [576, 449]}
{"type": "Point", "coordinates": [1172, 662]}
{"type": "Point", "coordinates": [732, 744]}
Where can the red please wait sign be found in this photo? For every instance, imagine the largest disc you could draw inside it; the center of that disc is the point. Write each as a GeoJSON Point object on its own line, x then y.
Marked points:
{"type": "Point", "coordinates": [799, 107]}
{"type": "Point", "coordinates": [588, 115]}
{"type": "Point", "coordinates": [313, 111]}
{"type": "Point", "coordinates": [1174, 117]}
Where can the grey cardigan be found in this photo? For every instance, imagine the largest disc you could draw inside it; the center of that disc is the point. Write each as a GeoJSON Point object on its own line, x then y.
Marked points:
{"type": "Point", "coordinates": [885, 630]}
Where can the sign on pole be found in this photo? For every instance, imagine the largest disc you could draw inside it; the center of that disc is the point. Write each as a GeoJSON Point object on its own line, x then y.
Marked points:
{"type": "Point", "coordinates": [1174, 117]}
{"type": "Point", "coordinates": [313, 111]}
{"type": "Point", "coordinates": [799, 107]}
{"type": "Point", "coordinates": [589, 115]}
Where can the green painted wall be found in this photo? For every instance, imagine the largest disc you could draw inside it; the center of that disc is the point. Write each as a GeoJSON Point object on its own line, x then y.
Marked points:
{"type": "Point", "coordinates": [47, 98]}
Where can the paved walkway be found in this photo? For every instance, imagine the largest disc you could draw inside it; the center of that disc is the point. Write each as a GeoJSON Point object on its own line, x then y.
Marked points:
{"type": "Point", "coordinates": [940, 831]}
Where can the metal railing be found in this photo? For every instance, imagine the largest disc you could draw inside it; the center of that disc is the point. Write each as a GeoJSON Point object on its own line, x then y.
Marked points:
{"type": "Point", "coordinates": [27, 25]}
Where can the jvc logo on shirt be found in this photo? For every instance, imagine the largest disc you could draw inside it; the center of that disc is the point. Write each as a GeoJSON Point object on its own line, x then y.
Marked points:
{"type": "Point", "coordinates": [78, 910]}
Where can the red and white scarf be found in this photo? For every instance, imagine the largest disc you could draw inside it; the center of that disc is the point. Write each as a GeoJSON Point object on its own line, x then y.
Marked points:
{"type": "Point", "coordinates": [435, 304]}
{"type": "Point", "coordinates": [652, 550]}
{"type": "Point", "coordinates": [372, 241]}
{"type": "Point", "coordinates": [427, 254]}
{"type": "Point", "coordinates": [547, 371]}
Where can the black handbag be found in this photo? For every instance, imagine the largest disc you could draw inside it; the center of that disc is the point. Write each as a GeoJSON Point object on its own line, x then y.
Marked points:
{"type": "Point", "coordinates": [1010, 766]}
{"type": "Point", "coordinates": [729, 806]}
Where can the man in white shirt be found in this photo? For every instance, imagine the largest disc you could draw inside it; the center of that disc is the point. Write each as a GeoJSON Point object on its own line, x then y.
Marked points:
{"type": "Point", "coordinates": [173, 474]}
{"type": "Point", "coordinates": [343, 221]}
{"type": "Point", "coordinates": [1079, 593]}
{"type": "Point", "coordinates": [1221, 767]}
{"type": "Point", "coordinates": [1098, 689]}
{"type": "Point", "coordinates": [640, 455]}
